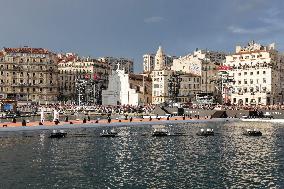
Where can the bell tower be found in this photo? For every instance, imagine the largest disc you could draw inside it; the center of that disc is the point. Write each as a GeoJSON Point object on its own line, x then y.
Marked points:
{"type": "Point", "coordinates": [159, 59]}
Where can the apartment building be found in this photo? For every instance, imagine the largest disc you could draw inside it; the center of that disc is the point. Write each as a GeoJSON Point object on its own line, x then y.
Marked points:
{"type": "Point", "coordinates": [28, 75]}
{"type": "Point", "coordinates": [256, 70]}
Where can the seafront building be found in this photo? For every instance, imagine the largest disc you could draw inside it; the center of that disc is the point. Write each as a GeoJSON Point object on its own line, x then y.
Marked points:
{"type": "Point", "coordinates": [127, 89]}
{"type": "Point", "coordinates": [258, 75]}
{"type": "Point", "coordinates": [203, 63]}
{"type": "Point", "coordinates": [125, 63]}
{"type": "Point", "coordinates": [160, 76]}
{"type": "Point", "coordinates": [172, 85]}
{"type": "Point", "coordinates": [28, 75]}
{"type": "Point", "coordinates": [82, 79]}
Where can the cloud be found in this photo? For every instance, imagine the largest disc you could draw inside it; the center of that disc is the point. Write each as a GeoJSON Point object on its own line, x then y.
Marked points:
{"type": "Point", "coordinates": [241, 30]}
{"type": "Point", "coordinates": [271, 22]}
{"type": "Point", "coordinates": [154, 19]}
{"type": "Point", "coordinates": [249, 5]}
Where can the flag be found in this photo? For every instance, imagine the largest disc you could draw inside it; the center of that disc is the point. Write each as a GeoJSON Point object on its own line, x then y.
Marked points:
{"type": "Point", "coordinates": [224, 67]}
{"type": "Point", "coordinates": [96, 77]}
{"type": "Point", "coordinates": [87, 76]}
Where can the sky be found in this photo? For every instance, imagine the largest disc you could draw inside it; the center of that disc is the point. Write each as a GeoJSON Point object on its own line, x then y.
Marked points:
{"type": "Point", "coordinates": [131, 28]}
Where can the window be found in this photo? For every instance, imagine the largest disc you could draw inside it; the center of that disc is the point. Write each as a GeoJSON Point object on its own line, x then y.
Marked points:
{"type": "Point", "coordinates": [251, 73]}
{"type": "Point", "coordinates": [251, 81]}
{"type": "Point", "coordinates": [246, 100]}
{"type": "Point", "coordinates": [245, 81]}
{"type": "Point", "coordinates": [245, 73]}
{"type": "Point", "coordinates": [156, 85]}
{"type": "Point", "coordinates": [240, 82]}
{"type": "Point", "coordinates": [257, 72]}
{"type": "Point", "coordinates": [263, 72]}
{"type": "Point", "coordinates": [240, 74]}
{"type": "Point", "coordinates": [264, 80]}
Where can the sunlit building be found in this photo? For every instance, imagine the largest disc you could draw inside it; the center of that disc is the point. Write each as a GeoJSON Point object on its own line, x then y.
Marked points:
{"type": "Point", "coordinates": [29, 75]}
{"type": "Point", "coordinates": [82, 73]}
{"type": "Point", "coordinates": [256, 70]}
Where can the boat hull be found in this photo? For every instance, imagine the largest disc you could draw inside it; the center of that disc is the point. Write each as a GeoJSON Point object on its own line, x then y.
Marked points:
{"type": "Point", "coordinates": [57, 135]}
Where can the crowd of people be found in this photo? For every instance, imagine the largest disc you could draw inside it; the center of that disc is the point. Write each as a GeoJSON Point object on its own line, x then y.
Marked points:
{"type": "Point", "coordinates": [142, 110]}
{"type": "Point", "coordinates": [100, 109]}
{"type": "Point", "coordinates": [237, 107]}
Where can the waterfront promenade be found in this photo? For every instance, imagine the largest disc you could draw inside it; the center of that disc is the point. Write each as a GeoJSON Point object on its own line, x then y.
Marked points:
{"type": "Point", "coordinates": [103, 122]}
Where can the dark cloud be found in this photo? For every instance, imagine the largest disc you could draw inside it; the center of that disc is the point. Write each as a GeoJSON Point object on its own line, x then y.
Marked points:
{"type": "Point", "coordinates": [131, 28]}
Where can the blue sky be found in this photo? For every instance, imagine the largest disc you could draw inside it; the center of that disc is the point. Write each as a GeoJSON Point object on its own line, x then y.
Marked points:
{"type": "Point", "coordinates": [131, 28]}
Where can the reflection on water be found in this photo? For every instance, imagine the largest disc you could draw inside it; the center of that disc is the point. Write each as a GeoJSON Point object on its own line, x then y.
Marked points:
{"type": "Point", "coordinates": [226, 160]}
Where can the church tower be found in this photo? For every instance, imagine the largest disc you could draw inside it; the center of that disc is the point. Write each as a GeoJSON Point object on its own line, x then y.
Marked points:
{"type": "Point", "coordinates": [160, 59]}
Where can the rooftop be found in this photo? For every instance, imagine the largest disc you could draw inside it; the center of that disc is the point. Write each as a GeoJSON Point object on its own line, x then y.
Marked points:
{"type": "Point", "coordinates": [26, 50]}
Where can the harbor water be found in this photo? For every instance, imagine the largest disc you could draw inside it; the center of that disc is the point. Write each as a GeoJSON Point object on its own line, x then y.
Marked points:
{"type": "Point", "coordinates": [137, 160]}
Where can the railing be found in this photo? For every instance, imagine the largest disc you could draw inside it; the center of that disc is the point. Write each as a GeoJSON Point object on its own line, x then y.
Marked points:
{"type": "Point", "coordinates": [258, 65]}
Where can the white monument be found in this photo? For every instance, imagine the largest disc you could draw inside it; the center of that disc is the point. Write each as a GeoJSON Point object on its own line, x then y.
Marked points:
{"type": "Point", "coordinates": [119, 91]}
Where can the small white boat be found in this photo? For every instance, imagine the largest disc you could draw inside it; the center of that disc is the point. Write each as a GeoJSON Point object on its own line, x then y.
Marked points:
{"type": "Point", "coordinates": [207, 132]}
{"type": "Point", "coordinates": [58, 134]}
{"type": "Point", "coordinates": [160, 132]}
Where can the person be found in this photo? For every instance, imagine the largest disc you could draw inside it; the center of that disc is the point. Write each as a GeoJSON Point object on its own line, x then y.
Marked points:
{"type": "Point", "coordinates": [56, 121]}
{"type": "Point", "coordinates": [24, 123]}
{"type": "Point", "coordinates": [66, 119]}
{"type": "Point", "coordinates": [89, 119]}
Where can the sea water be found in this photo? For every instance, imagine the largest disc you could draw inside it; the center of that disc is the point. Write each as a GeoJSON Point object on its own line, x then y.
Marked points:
{"type": "Point", "coordinates": [135, 159]}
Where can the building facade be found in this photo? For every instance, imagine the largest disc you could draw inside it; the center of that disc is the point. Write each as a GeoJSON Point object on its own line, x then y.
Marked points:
{"type": "Point", "coordinates": [82, 79]}
{"type": "Point", "coordinates": [125, 63]}
{"type": "Point", "coordinates": [203, 63]}
{"type": "Point", "coordinates": [178, 82]}
{"type": "Point", "coordinates": [142, 83]}
{"type": "Point", "coordinates": [29, 75]}
{"type": "Point", "coordinates": [148, 63]}
{"type": "Point", "coordinates": [256, 70]}
{"type": "Point", "coordinates": [126, 89]}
